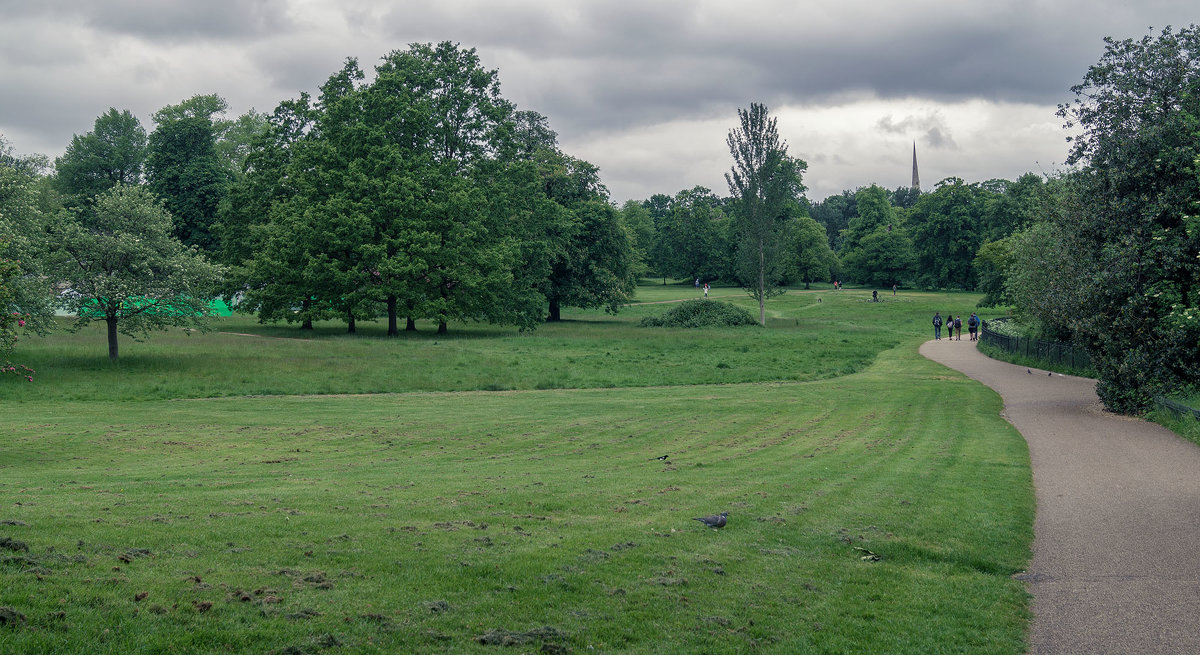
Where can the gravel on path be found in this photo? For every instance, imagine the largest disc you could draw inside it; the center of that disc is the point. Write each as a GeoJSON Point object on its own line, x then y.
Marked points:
{"type": "Point", "coordinates": [1116, 552]}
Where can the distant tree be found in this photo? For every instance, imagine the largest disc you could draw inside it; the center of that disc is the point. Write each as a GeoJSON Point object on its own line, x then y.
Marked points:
{"type": "Point", "coordinates": [1015, 206]}
{"type": "Point", "coordinates": [242, 227]}
{"type": "Point", "coordinates": [991, 265]}
{"type": "Point", "coordinates": [904, 197]}
{"type": "Point", "coordinates": [1045, 279]}
{"type": "Point", "coordinates": [872, 210]}
{"type": "Point", "coordinates": [111, 154]}
{"type": "Point", "coordinates": [232, 138]}
{"type": "Point", "coordinates": [597, 271]}
{"type": "Point", "coordinates": [595, 266]}
{"type": "Point", "coordinates": [810, 246]}
{"type": "Point", "coordinates": [882, 258]}
{"type": "Point", "coordinates": [659, 205]}
{"type": "Point", "coordinates": [185, 172]}
{"type": "Point", "coordinates": [835, 213]}
{"type": "Point", "coordinates": [690, 239]}
{"type": "Point", "coordinates": [123, 267]}
{"type": "Point", "coordinates": [640, 225]}
{"type": "Point", "coordinates": [947, 228]}
{"type": "Point", "coordinates": [533, 133]}
{"type": "Point", "coordinates": [763, 181]}
{"type": "Point", "coordinates": [235, 140]}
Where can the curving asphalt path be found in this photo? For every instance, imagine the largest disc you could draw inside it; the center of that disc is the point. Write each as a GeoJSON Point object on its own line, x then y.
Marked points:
{"type": "Point", "coordinates": [1116, 551]}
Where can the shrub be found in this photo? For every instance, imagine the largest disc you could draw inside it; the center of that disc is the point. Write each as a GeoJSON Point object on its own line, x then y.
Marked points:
{"type": "Point", "coordinates": [701, 313]}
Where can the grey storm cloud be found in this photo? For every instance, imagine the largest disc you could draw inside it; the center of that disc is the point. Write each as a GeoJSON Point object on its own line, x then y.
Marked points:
{"type": "Point", "coordinates": [162, 20]}
{"type": "Point", "coordinates": [616, 78]}
{"type": "Point", "coordinates": [617, 64]}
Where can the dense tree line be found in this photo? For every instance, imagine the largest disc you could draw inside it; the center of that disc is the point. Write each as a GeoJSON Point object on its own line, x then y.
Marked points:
{"type": "Point", "coordinates": [425, 194]}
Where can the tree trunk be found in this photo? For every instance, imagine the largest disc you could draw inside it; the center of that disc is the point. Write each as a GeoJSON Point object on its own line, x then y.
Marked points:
{"type": "Point", "coordinates": [762, 285]}
{"type": "Point", "coordinates": [555, 312]}
{"type": "Point", "coordinates": [350, 328]}
{"type": "Point", "coordinates": [112, 337]}
{"type": "Point", "coordinates": [307, 323]}
{"type": "Point", "coordinates": [410, 325]}
{"type": "Point", "coordinates": [442, 329]}
{"type": "Point", "coordinates": [393, 327]}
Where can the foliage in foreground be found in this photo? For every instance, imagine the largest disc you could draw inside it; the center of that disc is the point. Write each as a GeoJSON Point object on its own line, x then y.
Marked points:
{"type": "Point", "coordinates": [1123, 255]}
{"type": "Point", "coordinates": [701, 313]}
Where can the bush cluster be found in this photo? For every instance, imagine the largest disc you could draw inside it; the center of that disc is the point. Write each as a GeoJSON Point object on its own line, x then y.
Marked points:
{"type": "Point", "coordinates": [701, 313]}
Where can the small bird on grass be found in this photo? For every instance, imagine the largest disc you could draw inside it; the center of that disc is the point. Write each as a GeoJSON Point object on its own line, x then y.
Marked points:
{"type": "Point", "coordinates": [662, 457]}
{"type": "Point", "coordinates": [714, 521]}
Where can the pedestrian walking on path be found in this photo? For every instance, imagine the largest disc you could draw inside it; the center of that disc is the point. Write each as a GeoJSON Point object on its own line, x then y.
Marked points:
{"type": "Point", "coordinates": [1114, 566]}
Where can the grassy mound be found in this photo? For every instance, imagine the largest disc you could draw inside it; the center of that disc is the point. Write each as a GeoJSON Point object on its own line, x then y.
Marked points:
{"type": "Point", "coordinates": [701, 313]}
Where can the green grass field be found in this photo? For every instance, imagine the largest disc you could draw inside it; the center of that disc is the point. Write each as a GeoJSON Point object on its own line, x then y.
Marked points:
{"type": "Point", "coordinates": [257, 489]}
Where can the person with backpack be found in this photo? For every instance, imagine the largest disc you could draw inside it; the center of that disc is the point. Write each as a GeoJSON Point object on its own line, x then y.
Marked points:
{"type": "Point", "coordinates": [937, 326]}
{"type": "Point", "coordinates": [958, 328]}
{"type": "Point", "coordinates": [973, 326]}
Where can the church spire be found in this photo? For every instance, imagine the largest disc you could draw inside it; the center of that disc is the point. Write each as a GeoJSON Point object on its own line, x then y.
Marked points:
{"type": "Point", "coordinates": [916, 181]}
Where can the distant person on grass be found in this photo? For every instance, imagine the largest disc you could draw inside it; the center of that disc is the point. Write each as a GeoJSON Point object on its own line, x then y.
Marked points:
{"type": "Point", "coordinates": [937, 326]}
{"type": "Point", "coordinates": [874, 295]}
{"type": "Point", "coordinates": [705, 289]}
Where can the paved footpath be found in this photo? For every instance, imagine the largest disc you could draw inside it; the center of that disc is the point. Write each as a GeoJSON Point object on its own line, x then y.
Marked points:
{"type": "Point", "coordinates": [1116, 551]}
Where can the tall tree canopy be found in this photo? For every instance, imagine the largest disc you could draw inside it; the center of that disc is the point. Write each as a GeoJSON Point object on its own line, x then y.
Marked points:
{"type": "Point", "coordinates": [422, 194]}
{"type": "Point", "coordinates": [112, 153]}
{"type": "Point", "coordinates": [185, 172]}
{"type": "Point", "coordinates": [764, 180]}
{"type": "Point", "coordinates": [1133, 224]}
{"type": "Point", "coordinates": [946, 228]}
{"type": "Point", "coordinates": [690, 238]}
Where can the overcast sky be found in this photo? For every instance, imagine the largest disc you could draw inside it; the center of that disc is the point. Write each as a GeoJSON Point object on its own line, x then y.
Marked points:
{"type": "Point", "coordinates": [647, 90]}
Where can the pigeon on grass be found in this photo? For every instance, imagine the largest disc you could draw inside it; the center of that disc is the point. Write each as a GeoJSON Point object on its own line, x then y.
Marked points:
{"type": "Point", "coordinates": [714, 521]}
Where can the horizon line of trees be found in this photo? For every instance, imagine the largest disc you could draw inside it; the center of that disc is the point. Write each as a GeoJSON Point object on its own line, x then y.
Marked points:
{"type": "Point", "coordinates": [424, 194]}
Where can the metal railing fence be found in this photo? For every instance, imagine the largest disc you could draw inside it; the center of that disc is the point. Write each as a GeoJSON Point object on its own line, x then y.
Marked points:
{"type": "Point", "coordinates": [1055, 352]}
{"type": "Point", "coordinates": [1177, 408]}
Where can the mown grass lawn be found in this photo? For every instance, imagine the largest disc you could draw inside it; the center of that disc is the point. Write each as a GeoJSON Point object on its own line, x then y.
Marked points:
{"type": "Point", "coordinates": [168, 505]}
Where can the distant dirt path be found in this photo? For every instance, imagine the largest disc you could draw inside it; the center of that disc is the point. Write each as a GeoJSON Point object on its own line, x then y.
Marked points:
{"type": "Point", "coordinates": [1116, 553]}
